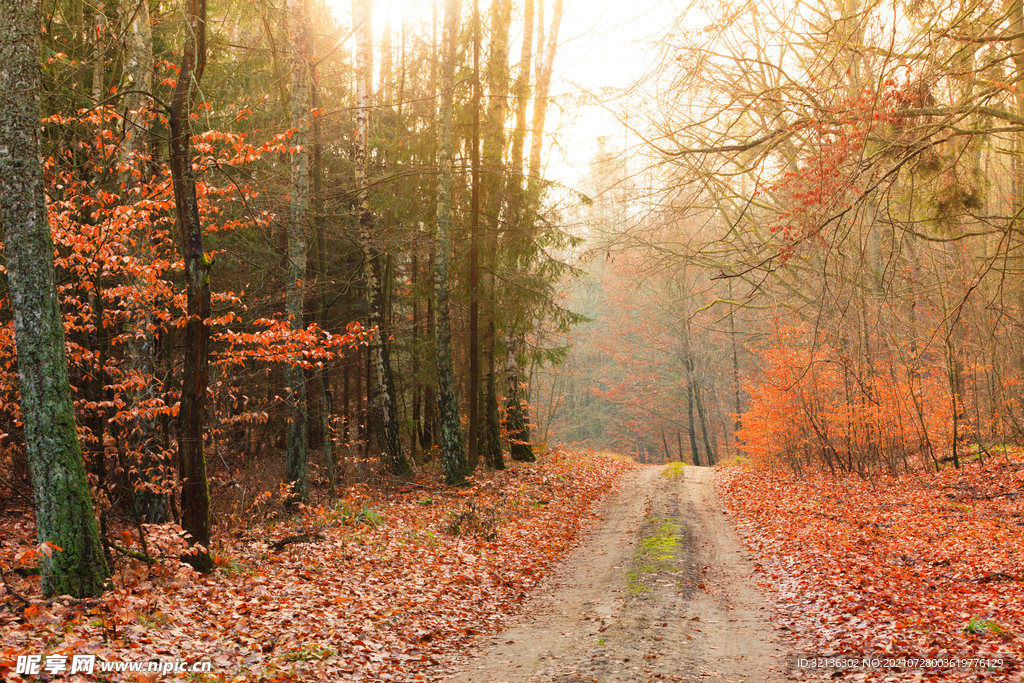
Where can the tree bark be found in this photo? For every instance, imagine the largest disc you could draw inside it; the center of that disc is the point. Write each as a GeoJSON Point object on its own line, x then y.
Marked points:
{"type": "Point", "coordinates": [453, 454]}
{"type": "Point", "coordinates": [474, 255]}
{"type": "Point", "coordinates": [388, 432]}
{"type": "Point", "coordinates": [195, 491]}
{"type": "Point", "coordinates": [517, 418]}
{"type": "Point", "coordinates": [298, 242]}
{"type": "Point", "coordinates": [493, 149]}
{"type": "Point", "coordinates": [64, 510]}
{"type": "Point", "coordinates": [320, 228]}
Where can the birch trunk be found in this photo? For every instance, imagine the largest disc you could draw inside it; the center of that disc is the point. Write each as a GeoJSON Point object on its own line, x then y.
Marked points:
{"type": "Point", "coordinates": [453, 454]}
{"type": "Point", "coordinates": [388, 433]}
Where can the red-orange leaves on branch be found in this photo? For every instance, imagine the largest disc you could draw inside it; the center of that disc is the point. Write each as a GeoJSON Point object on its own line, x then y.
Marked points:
{"type": "Point", "coordinates": [111, 212]}
{"type": "Point", "coordinates": [850, 150]}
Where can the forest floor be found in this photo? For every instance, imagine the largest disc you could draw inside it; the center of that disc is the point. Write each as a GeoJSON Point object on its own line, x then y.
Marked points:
{"type": "Point", "coordinates": [383, 583]}
{"type": "Point", "coordinates": [919, 573]}
{"type": "Point", "coordinates": [574, 569]}
{"type": "Point", "coordinates": [660, 590]}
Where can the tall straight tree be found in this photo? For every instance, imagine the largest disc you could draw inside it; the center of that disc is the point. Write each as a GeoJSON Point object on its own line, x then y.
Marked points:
{"type": "Point", "coordinates": [64, 511]}
{"type": "Point", "coordinates": [153, 507]}
{"type": "Point", "coordinates": [493, 149]}
{"type": "Point", "coordinates": [453, 452]}
{"type": "Point", "coordinates": [195, 489]}
{"type": "Point", "coordinates": [389, 435]}
{"type": "Point", "coordinates": [474, 254]}
{"type": "Point", "coordinates": [319, 225]}
{"type": "Point", "coordinates": [298, 231]}
{"type": "Point", "coordinates": [515, 415]}
{"type": "Point", "coordinates": [543, 69]}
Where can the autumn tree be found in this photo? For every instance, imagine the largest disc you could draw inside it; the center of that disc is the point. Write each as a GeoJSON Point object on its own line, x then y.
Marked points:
{"type": "Point", "coordinates": [844, 168]}
{"type": "Point", "coordinates": [195, 492]}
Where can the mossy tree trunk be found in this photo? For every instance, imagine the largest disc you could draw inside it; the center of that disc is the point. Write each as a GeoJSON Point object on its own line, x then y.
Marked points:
{"type": "Point", "coordinates": [64, 510]}
{"type": "Point", "coordinates": [453, 452]}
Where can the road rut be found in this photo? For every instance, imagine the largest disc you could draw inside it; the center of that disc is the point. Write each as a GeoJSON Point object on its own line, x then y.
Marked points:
{"type": "Point", "coordinates": [661, 589]}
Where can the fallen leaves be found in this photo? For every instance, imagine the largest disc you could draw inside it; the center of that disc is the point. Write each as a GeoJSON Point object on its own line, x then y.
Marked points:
{"type": "Point", "coordinates": [922, 566]}
{"type": "Point", "coordinates": [386, 594]}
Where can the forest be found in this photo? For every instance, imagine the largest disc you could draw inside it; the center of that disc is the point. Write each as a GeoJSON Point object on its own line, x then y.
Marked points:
{"type": "Point", "coordinates": [306, 328]}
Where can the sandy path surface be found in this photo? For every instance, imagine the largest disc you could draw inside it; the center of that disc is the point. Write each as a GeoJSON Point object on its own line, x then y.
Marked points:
{"type": "Point", "coordinates": [661, 589]}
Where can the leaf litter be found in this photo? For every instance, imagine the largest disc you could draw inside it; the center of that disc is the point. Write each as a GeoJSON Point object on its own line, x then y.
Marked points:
{"type": "Point", "coordinates": [378, 586]}
{"type": "Point", "coordinates": [921, 566]}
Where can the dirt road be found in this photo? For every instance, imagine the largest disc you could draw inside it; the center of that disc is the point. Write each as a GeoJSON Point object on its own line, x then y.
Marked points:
{"type": "Point", "coordinates": [660, 590]}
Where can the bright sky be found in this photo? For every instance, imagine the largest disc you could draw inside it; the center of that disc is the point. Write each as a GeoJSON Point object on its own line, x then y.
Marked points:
{"type": "Point", "coordinates": [602, 44]}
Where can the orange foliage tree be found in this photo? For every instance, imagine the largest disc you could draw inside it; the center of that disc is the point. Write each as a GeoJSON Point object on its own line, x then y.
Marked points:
{"type": "Point", "coordinates": [111, 216]}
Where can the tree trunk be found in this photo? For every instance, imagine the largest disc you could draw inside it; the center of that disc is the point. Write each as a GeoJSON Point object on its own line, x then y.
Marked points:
{"type": "Point", "coordinates": [517, 426]}
{"type": "Point", "coordinates": [428, 424]}
{"type": "Point", "coordinates": [708, 450]}
{"type": "Point", "coordinates": [736, 421]}
{"type": "Point", "coordinates": [543, 71]}
{"type": "Point", "coordinates": [521, 91]}
{"type": "Point", "coordinates": [153, 504]}
{"type": "Point", "coordinates": [520, 215]}
{"type": "Point", "coordinates": [195, 491]}
{"type": "Point", "coordinates": [453, 454]}
{"type": "Point", "coordinates": [493, 148]}
{"type": "Point", "coordinates": [417, 340]}
{"type": "Point", "coordinates": [64, 510]}
{"type": "Point", "coordinates": [99, 31]}
{"type": "Point", "coordinates": [474, 255]}
{"type": "Point", "coordinates": [689, 411]}
{"type": "Point", "coordinates": [358, 410]}
{"type": "Point", "coordinates": [298, 229]}
{"type": "Point", "coordinates": [320, 229]}
{"type": "Point", "coordinates": [388, 432]}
